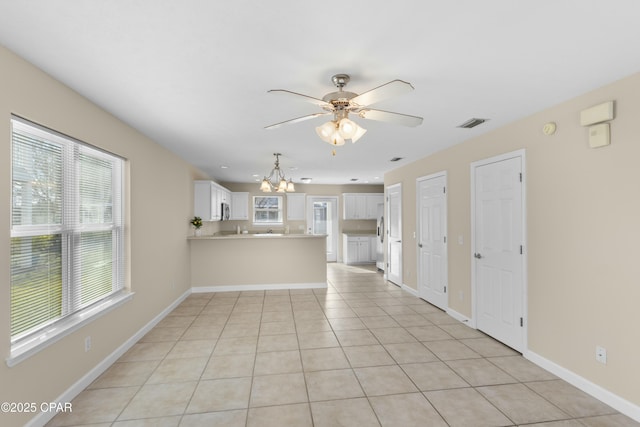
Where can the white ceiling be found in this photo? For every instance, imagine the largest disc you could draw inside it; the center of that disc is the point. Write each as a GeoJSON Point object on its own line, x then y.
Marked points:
{"type": "Point", "coordinates": [193, 75]}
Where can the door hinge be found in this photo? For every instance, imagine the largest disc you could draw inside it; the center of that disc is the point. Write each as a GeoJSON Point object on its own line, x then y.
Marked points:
{"type": "Point", "coordinates": [520, 176]}
{"type": "Point", "coordinates": [444, 190]}
{"type": "Point", "coordinates": [521, 322]}
{"type": "Point", "coordinates": [520, 249]}
{"type": "Point", "coordinates": [445, 239]}
{"type": "Point", "coordinates": [445, 289]}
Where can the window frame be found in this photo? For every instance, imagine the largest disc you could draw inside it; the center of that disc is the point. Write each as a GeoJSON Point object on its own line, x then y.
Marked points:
{"type": "Point", "coordinates": [279, 210]}
{"type": "Point", "coordinates": [75, 313]}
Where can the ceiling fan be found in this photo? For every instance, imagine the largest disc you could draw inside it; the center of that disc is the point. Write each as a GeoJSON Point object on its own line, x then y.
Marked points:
{"type": "Point", "coordinates": [342, 103]}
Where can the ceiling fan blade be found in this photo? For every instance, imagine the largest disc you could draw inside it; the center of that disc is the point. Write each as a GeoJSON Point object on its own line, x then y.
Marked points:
{"type": "Point", "coordinates": [387, 90]}
{"type": "Point", "coordinates": [302, 97]}
{"type": "Point", "coordinates": [296, 120]}
{"type": "Point", "coordinates": [389, 117]}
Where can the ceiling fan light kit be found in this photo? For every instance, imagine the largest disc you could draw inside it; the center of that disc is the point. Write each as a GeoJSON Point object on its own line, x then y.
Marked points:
{"type": "Point", "coordinates": [335, 133]}
{"type": "Point", "coordinates": [341, 103]}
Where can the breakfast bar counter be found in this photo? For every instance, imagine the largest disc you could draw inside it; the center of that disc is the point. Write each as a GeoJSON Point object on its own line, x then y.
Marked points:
{"type": "Point", "coordinates": [237, 262]}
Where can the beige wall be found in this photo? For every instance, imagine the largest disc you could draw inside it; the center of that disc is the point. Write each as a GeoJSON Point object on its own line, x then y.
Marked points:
{"type": "Point", "coordinates": [583, 226]}
{"type": "Point", "coordinates": [159, 201]}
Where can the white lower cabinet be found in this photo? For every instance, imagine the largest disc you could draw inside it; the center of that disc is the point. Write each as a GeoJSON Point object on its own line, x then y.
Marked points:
{"type": "Point", "coordinates": [357, 249]}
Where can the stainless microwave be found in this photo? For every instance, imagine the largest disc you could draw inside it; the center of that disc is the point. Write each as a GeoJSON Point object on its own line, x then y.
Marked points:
{"type": "Point", "coordinates": [225, 212]}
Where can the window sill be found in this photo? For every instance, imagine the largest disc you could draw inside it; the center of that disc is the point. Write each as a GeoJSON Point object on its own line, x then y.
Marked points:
{"type": "Point", "coordinates": [27, 348]}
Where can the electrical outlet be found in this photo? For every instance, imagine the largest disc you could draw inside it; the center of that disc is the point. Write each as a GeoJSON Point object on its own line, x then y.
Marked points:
{"type": "Point", "coordinates": [601, 355]}
{"type": "Point", "coordinates": [87, 343]}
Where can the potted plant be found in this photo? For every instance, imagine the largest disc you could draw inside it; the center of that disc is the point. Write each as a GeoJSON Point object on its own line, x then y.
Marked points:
{"type": "Point", "coordinates": [196, 221]}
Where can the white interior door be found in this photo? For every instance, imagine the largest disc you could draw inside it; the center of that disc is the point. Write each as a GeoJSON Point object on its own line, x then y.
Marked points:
{"type": "Point", "coordinates": [498, 222]}
{"type": "Point", "coordinates": [432, 241]}
{"type": "Point", "coordinates": [322, 218]}
{"type": "Point", "coordinates": [394, 232]}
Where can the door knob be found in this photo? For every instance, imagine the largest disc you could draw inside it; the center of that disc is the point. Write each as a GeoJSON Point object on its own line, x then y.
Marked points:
{"type": "Point", "coordinates": [419, 245]}
{"type": "Point", "coordinates": [477, 255]}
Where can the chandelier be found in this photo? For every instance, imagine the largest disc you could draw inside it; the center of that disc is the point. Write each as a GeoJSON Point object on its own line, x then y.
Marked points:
{"type": "Point", "coordinates": [276, 181]}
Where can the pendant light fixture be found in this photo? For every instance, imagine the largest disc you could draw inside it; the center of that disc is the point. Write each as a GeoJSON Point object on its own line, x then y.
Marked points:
{"type": "Point", "coordinates": [276, 180]}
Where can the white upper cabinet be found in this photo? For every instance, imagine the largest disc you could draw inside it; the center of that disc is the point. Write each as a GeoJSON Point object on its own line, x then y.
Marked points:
{"type": "Point", "coordinates": [373, 200]}
{"type": "Point", "coordinates": [207, 200]}
{"type": "Point", "coordinates": [225, 196]}
{"type": "Point", "coordinates": [296, 206]}
{"type": "Point", "coordinates": [239, 206]}
{"type": "Point", "coordinates": [361, 205]}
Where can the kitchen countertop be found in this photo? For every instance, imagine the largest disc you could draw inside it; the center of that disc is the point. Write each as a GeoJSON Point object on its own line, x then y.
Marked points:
{"type": "Point", "coordinates": [360, 233]}
{"type": "Point", "coordinates": [258, 236]}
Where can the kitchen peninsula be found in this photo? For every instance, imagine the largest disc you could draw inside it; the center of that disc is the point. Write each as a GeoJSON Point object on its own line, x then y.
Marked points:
{"type": "Point", "coordinates": [239, 262]}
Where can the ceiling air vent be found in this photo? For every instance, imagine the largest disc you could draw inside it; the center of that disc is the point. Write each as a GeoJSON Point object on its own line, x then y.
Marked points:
{"type": "Point", "coordinates": [305, 180]}
{"type": "Point", "coordinates": [353, 179]}
{"type": "Point", "coordinates": [396, 159]}
{"type": "Point", "coordinates": [471, 123]}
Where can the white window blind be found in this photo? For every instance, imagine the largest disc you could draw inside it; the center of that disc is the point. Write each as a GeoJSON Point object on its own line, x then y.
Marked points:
{"type": "Point", "coordinates": [66, 228]}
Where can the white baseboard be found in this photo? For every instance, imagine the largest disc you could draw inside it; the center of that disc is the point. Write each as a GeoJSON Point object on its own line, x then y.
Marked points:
{"type": "Point", "coordinates": [259, 287]}
{"type": "Point", "coordinates": [458, 316]}
{"type": "Point", "coordinates": [616, 402]}
{"type": "Point", "coordinates": [44, 417]}
{"type": "Point", "coordinates": [410, 290]}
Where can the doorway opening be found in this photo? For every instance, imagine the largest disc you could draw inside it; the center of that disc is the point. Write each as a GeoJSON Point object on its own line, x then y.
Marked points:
{"type": "Point", "coordinates": [322, 218]}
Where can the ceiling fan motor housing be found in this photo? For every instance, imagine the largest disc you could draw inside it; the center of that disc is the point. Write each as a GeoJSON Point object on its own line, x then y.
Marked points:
{"type": "Point", "coordinates": [340, 80]}
{"type": "Point", "coordinates": [340, 99]}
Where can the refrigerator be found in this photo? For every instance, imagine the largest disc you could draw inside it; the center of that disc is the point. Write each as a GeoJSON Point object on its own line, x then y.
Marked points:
{"type": "Point", "coordinates": [380, 239]}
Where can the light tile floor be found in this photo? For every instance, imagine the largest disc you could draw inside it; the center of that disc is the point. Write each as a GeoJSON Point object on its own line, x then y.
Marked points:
{"type": "Point", "coordinates": [360, 353]}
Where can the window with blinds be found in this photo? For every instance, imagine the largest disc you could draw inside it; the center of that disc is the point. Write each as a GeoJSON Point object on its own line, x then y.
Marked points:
{"type": "Point", "coordinates": [66, 228]}
{"type": "Point", "coordinates": [267, 210]}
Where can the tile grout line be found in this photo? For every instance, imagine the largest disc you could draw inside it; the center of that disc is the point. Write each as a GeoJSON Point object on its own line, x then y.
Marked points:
{"type": "Point", "coordinates": [385, 298]}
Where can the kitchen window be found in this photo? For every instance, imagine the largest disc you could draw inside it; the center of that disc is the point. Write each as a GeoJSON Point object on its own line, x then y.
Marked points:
{"type": "Point", "coordinates": [67, 248]}
{"type": "Point", "coordinates": [267, 210]}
